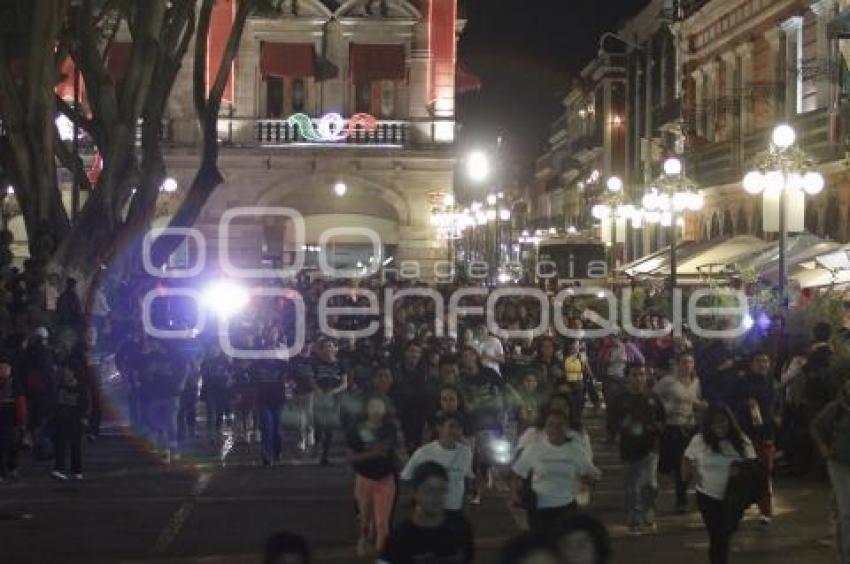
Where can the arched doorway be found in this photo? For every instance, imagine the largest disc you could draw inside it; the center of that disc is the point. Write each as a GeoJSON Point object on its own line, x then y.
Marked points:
{"type": "Point", "coordinates": [728, 225]}
{"type": "Point", "coordinates": [812, 221]}
{"type": "Point", "coordinates": [743, 226]}
{"type": "Point", "coordinates": [715, 227]}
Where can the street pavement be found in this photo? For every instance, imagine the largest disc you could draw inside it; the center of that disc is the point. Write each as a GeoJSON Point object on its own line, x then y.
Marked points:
{"type": "Point", "coordinates": [218, 505]}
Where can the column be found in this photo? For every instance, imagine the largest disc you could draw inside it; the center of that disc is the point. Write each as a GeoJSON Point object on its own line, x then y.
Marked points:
{"type": "Point", "coordinates": [775, 79]}
{"type": "Point", "coordinates": [825, 11]}
{"type": "Point", "coordinates": [745, 52]}
{"type": "Point", "coordinates": [699, 107]}
{"type": "Point", "coordinates": [793, 28]}
{"type": "Point", "coordinates": [727, 99]}
{"type": "Point", "coordinates": [710, 92]}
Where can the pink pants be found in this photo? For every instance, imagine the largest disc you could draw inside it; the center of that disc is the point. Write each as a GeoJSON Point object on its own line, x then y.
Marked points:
{"type": "Point", "coordinates": [375, 504]}
{"type": "Point", "coordinates": [766, 451]}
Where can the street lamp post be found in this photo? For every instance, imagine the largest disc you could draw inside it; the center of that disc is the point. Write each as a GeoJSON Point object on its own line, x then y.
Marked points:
{"type": "Point", "coordinates": [613, 209]}
{"type": "Point", "coordinates": [783, 175]}
{"type": "Point", "coordinates": [665, 202]}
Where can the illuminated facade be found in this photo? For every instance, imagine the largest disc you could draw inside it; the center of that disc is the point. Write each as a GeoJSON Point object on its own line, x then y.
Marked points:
{"type": "Point", "coordinates": [359, 94]}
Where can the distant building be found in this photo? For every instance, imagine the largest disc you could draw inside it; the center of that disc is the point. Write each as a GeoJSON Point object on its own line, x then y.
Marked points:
{"type": "Point", "coordinates": [708, 80]}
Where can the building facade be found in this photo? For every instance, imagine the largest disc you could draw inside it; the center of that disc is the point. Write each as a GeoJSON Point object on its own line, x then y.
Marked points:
{"type": "Point", "coordinates": [341, 112]}
{"type": "Point", "coordinates": [708, 81]}
{"type": "Point", "coordinates": [289, 141]}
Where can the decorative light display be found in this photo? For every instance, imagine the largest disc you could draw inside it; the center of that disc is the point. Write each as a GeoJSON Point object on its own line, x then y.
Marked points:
{"type": "Point", "coordinates": [332, 127]}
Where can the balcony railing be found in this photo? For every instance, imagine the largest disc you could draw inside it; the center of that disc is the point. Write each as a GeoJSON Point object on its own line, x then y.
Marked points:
{"type": "Point", "coordinates": [271, 132]}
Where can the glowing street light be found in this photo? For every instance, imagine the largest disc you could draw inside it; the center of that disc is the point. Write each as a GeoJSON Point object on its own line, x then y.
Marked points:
{"type": "Point", "coordinates": [783, 174]}
{"type": "Point", "coordinates": [478, 166]}
{"type": "Point", "coordinates": [340, 189]}
{"type": "Point", "coordinates": [169, 185]}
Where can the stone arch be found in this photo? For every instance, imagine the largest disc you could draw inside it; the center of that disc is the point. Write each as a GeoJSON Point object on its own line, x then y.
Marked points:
{"type": "Point", "coordinates": [279, 190]}
{"type": "Point", "coordinates": [728, 224]}
{"type": "Point", "coordinates": [742, 225]}
{"type": "Point", "coordinates": [396, 9]}
{"type": "Point", "coordinates": [714, 231]}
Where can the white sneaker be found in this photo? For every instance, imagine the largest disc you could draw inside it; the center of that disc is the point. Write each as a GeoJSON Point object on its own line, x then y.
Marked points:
{"type": "Point", "coordinates": [765, 521]}
{"type": "Point", "coordinates": [57, 475]}
{"type": "Point", "coordinates": [77, 477]}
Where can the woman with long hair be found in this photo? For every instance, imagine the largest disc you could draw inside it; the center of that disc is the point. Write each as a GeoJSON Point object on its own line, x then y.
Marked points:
{"type": "Point", "coordinates": [708, 460]}
{"type": "Point", "coordinates": [373, 445]}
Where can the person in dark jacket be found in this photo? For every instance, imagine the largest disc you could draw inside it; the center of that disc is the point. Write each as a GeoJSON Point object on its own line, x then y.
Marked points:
{"type": "Point", "coordinates": [70, 417]}
{"type": "Point", "coordinates": [69, 307]}
{"type": "Point", "coordinates": [719, 364]}
{"type": "Point", "coordinates": [85, 361]}
{"type": "Point", "coordinates": [640, 432]}
{"type": "Point", "coordinates": [164, 376]}
{"type": "Point", "coordinates": [39, 378]}
{"type": "Point", "coordinates": [268, 376]}
{"type": "Point", "coordinates": [752, 399]}
{"type": "Point", "coordinates": [216, 372]}
{"type": "Point", "coordinates": [13, 420]}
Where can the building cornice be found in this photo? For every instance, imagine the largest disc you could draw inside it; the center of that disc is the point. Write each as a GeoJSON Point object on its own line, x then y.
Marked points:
{"type": "Point", "coordinates": [693, 27]}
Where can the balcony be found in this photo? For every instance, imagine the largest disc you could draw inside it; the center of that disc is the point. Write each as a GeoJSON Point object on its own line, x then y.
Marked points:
{"type": "Point", "coordinates": [725, 162]}
{"type": "Point", "coordinates": [277, 132]}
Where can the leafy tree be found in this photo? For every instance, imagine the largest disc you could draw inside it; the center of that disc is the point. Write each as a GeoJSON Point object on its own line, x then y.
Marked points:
{"type": "Point", "coordinates": [37, 39]}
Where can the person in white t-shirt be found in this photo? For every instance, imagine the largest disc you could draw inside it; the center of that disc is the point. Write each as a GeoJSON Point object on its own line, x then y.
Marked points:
{"type": "Point", "coordinates": [708, 459]}
{"type": "Point", "coordinates": [491, 350]}
{"type": "Point", "coordinates": [556, 466]}
{"type": "Point", "coordinates": [451, 454]}
{"type": "Point", "coordinates": [537, 432]}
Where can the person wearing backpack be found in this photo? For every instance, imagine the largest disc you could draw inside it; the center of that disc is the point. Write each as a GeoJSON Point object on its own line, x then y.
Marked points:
{"type": "Point", "coordinates": [831, 434]}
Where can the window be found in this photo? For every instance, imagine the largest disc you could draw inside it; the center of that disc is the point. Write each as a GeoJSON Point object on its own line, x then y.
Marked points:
{"type": "Point", "coordinates": [387, 99]}
{"type": "Point", "coordinates": [363, 98]}
{"type": "Point", "coordinates": [274, 97]}
{"type": "Point", "coordinates": [299, 95]}
{"type": "Point", "coordinates": [285, 96]}
{"type": "Point", "coordinates": [377, 98]}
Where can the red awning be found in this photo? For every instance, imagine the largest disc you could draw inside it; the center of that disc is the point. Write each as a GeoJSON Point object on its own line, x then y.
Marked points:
{"type": "Point", "coordinates": [290, 60]}
{"type": "Point", "coordinates": [368, 63]}
{"type": "Point", "coordinates": [465, 81]}
{"type": "Point", "coordinates": [118, 59]}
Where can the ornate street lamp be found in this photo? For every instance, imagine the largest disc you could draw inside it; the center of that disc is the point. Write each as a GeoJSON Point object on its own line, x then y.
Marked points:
{"type": "Point", "coordinates": [612, 214]}
{"type": "Point", "coordinates": [783, 174]}
{"type": "Point", "coordinates": [671, 195]}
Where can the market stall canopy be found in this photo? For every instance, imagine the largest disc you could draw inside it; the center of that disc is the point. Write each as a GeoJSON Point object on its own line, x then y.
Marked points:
{"type": "Point", "coordinates": [802, 249]}
{"type": "Point", "coordinates": [832, 268]}
{"type": "Point", "coordinates": [721, 257]}
{"type": "Point", "coordinates": [658, 263]}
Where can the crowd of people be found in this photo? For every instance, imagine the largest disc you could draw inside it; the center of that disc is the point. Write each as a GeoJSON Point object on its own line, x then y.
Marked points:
{"type": "Point", "coordinates": [448, 415]}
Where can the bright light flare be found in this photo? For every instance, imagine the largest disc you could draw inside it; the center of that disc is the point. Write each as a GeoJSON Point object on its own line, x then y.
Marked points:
{"type": "Point", "coordinates": [225, 298]}
{"type": "Point", "coordinates": [784, 136]}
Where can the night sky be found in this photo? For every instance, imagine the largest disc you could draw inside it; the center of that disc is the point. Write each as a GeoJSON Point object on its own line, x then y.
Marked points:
{"type": "Point", "coordinates": [526, 52]}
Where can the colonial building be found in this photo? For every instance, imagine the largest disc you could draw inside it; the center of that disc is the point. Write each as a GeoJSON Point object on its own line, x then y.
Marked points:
{"type": "Point", "coordinates": [288, 139]}
{"type": "Point", "coordinates": [748, 65]}
{"type": "Point", "coordinates": [709, 80]}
